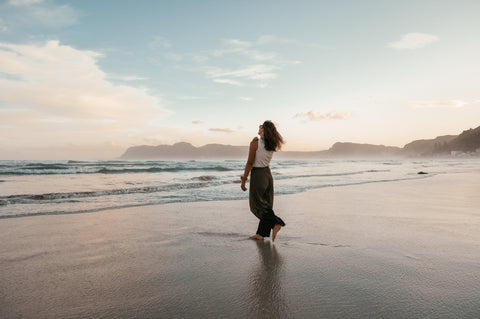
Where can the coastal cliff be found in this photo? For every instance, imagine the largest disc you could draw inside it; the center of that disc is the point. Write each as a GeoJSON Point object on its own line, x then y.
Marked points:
{"type": "Point", "coordinates": [468, 142]}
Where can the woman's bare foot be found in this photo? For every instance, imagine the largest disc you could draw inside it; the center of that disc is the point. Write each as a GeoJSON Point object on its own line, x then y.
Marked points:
{"type": "Point", "coordinates": [257, 236]}
{"type": "Point", "coordinates": [276, 229]}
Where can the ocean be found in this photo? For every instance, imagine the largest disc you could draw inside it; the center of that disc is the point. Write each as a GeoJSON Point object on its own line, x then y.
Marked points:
{"type": "Point", "coordinates": [29, 188]}
{"type": "Point", "coordinates": [391, 244]}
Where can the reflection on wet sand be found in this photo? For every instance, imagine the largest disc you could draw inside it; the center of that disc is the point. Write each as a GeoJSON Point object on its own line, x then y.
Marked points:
{"type": "Point", "coordinates": [266, 299]}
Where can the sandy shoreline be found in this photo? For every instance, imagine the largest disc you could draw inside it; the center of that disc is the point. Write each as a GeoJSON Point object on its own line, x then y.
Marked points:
{"type": "Point", "coordinates": [406, 249]}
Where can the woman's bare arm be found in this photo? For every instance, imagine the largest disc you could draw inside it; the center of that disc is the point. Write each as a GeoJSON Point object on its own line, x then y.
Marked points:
{"type": "Point", "coordinates": [249, 165]}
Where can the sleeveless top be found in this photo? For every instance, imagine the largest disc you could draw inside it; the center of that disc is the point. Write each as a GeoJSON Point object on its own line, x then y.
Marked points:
{"type": "Point", "coordinates": [262, 156]}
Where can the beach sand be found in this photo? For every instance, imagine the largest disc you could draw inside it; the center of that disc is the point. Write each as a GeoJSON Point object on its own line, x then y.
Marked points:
{"type": "Point", "coordinates": [406, 249]}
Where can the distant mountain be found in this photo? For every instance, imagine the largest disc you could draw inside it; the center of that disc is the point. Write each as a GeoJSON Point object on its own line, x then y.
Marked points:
{"type": "Point", "coordinates": [362, 150]}
{"type": "Point", "coordinates": [426, 147]}
{"type": "Point", "coordinates": [301, 155]}
{"type": "Point", "coordinates": [188, 151]}
{"type": "Point", "coordinates": [468, 141]}
{"type": "Point", "coordinates": [184, 150]}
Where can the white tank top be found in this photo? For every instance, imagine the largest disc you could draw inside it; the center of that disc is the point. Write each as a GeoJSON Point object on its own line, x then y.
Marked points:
{"type": "Point", "coordinates": [262, 156]}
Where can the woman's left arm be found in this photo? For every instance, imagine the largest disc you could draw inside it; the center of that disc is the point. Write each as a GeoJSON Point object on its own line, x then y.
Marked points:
{"type": "Point", "coordinates": [249, 165]}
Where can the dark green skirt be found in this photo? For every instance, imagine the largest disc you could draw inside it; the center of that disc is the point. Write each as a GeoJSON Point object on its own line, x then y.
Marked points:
{"type": "Point", "coordinates": [261, 200]}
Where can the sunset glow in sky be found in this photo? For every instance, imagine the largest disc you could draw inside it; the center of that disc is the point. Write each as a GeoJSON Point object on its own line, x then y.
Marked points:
{"type": "Point", "coordinates": [87, 79]}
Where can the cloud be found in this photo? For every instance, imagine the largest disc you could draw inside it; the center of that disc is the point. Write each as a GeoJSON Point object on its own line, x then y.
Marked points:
{"type": "Point", "coordinates": [3, 27]}
{"type": "Point", "coordinates": [260, 56]}
{"type": "Point", "coordinates": [164, 47]}
{"type": "Point", "coordinates": [199, 58]}
{"type": "Point", "coordinates": [263, 85]}
{"type": "Point", "coordinates": [197, 122]}
{"type": "Point", "coordinates": [38, 13]}
{"type": "Point", "coordinates": [262, 40]}
{"type": "Point", "coordinates": [190, 98]}
{"type": "Point", "coordinates": [442, 104]}
{"type": "Point", "coordinates": [126, 78]}
{"type": "Point", "coordinates": [314, 116]}
{"type": "Point", "coordinates": [173, 56]}
{"type": "Point", "coordinates": [413, 41]}
{"type": "Point", "coordinates": [62, 92]}
{"type": "Point", "coordinates": [243, 48]}
{"type": "Point", "coordinates": [228, 81]}
{"type": "Point", "coordinates": [236, 62]}
{"type": "Point", "coordinates": [24, 2]}
{"type": "Point", "coordinates": [320, 46]}
{"type": "Point", "coordinates": [237, 43]}
{"type": "Point", "coordinates": [55, 120]}
{"type": "Point", "coordinates": [253, 72]}
{"type": "Point", "coordinates": [223, 130]}
{"type": "Point", "coordinates": [160, 42]}
{"type": "Point", "coordinates": [238, 59]}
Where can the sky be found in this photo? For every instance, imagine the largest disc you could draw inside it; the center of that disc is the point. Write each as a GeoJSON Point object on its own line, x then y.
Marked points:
{"type": "Point", "coordinates": [88, 79]}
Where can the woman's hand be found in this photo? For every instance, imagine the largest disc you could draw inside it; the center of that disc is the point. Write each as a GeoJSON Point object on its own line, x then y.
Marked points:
{"type": "Point", "coordinates": [243, 183]}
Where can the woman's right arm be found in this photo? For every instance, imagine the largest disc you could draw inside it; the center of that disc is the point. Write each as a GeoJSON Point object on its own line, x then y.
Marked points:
{"type": "Point", "coordinates": [249, 165]}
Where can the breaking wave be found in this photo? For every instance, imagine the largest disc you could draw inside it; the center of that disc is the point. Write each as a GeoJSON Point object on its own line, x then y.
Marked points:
{"type": "Point", "coordinates": [30, 198]}
{"type": "Point", "coordinates": [76, 167]}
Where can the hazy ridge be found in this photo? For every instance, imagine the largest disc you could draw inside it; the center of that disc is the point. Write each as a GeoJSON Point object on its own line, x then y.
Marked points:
{"type": "Point", "coordinates": [467, 142]}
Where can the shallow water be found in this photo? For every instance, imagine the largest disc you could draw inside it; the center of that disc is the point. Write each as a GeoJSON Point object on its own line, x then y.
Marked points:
{"type": "Point", "coordinates": [405, 249]}
{"type": "Point", "coordinates": [60, 187]}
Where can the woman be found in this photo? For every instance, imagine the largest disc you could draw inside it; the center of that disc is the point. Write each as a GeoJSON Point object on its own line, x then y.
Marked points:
{"type": "Point", "coordinates": [261, 181]}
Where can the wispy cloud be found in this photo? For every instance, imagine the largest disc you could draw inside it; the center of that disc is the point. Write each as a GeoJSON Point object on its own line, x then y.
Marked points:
{"type": "Point", "coordinates": [126, 78]}
{"type": "Point", "coordinates": [253, 62]}
{"type": "Point", "coordinates": [190, 98]}
{"type": "Point", "coordinates": [58, 83]}
{"type": "Point", "coordinates": [235, 62]}
{"type": "Point", "coordinates": [160, 42]}
{"type": "Point", "coordinates": [222, 130]}
{"type": "Point", "coordinates": [236, 43]}
{"type": "Point", "coordinates": [253, 72]}
{"type": "Point", "coordinates": [173, 56]}
{"type": "Point", "coordinates": [38, 13]}
{"type": "Point", "coordinates": [55, 120]}
{"type": "Point", "coordinates": [24, 2]}
{"type": "Point", "coordinates": [273, 39]}
{"type": "Point", "coordinates": [197, 122]}
{"type": "Point", "coordinates": [315, 116]}
{"type": "Point", "coordinates": [3, 26]}
{"type": "Point", "coordinates": [162, 47]}
{"type": "Point", "coordinates": [413, 41]}
{"type": "Point", "coordinates": [263, 85]}
{"type": "Point", "coordinates": [228, 81]}
{"type": "Point", "coordinates": [244, 48]}
{"type": "Point", "coordinates": [442, 104]}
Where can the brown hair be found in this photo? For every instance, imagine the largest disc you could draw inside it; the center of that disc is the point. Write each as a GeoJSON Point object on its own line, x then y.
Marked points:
{"type": "Point", "coordinates": [273, 140]}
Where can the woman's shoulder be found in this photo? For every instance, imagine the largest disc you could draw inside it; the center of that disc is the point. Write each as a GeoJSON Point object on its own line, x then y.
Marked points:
{"type": "Point", "coordinates": [254, 142]}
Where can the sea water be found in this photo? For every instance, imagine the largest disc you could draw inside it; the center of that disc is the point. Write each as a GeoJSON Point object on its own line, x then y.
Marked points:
{"type": "Point", "coordinates": [61, 187]}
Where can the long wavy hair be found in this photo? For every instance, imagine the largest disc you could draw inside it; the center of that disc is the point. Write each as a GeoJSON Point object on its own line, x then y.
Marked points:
{"type": "Point", "coordinates": [272, 139]}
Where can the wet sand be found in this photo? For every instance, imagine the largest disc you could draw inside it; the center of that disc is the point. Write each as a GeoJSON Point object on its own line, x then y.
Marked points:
{"type": "Point", "coordinates": [407, 249]}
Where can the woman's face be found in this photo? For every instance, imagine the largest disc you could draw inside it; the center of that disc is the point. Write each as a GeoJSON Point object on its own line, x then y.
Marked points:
{"type": "Point", "coordinates": [260, 130]}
